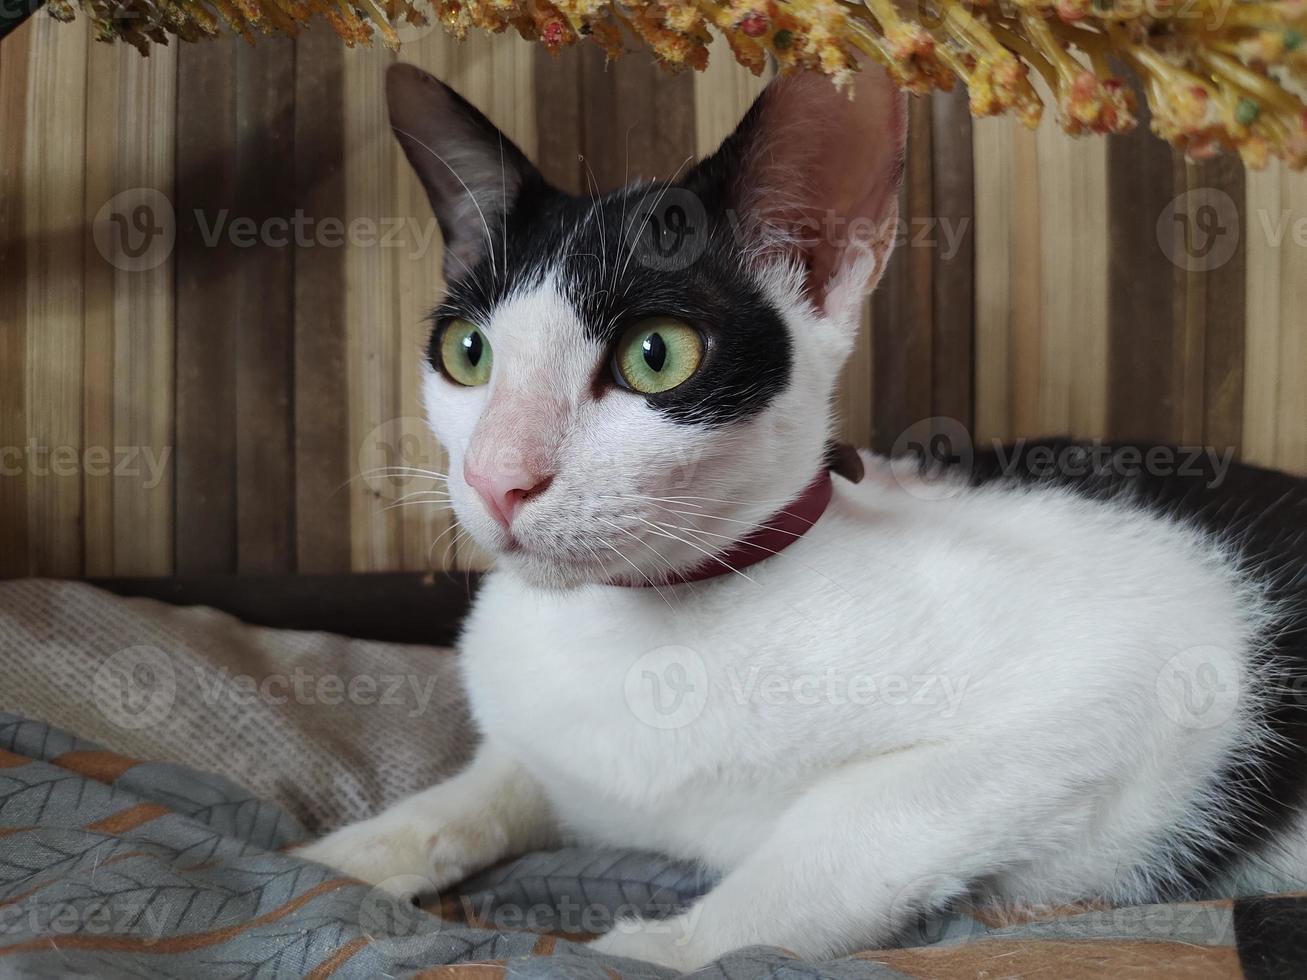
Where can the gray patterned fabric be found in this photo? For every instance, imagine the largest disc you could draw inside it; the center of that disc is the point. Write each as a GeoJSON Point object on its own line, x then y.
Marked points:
{"type": "Point", "coordinates": [113, 865]}
{"type": "Point", "coordinates": [331, 728]}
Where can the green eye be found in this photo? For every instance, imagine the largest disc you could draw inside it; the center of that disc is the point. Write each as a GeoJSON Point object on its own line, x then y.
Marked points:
{"type": "Point", "coordinates": [464, 353]}
{"type": "Point", "coordinates": [656, 355]}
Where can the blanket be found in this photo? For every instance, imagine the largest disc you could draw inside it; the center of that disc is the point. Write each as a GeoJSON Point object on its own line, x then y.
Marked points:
{"type": "Point", "coordinates": [117, 865]}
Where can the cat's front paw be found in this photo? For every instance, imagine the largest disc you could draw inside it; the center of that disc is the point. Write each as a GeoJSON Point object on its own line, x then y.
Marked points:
{"type": "Point", "coordinates": [408, 857]}
{"type": "Point", "coordinates": [665, 942]}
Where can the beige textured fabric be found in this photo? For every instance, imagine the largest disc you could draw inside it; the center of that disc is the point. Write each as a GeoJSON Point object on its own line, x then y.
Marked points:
{"type": "Point", "coordinates": [334, 729]}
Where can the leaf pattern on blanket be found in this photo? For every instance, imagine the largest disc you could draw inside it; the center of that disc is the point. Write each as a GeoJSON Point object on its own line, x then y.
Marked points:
{"type": "Point", "coordinates": [111, 866]}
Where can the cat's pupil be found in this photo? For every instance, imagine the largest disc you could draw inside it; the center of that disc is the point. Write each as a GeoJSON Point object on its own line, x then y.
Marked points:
{"type": "Point", "coordinates": [655, 351]}
{"type": "Point", "coordinates": [473, 346]}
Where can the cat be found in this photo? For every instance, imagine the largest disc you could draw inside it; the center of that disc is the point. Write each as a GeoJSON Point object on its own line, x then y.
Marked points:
{"type": "Point", "coordinates": [857, 697]}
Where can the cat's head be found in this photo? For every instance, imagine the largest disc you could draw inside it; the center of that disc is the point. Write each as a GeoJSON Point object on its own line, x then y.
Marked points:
{"type": "Point", "coordinates": [627, 383]}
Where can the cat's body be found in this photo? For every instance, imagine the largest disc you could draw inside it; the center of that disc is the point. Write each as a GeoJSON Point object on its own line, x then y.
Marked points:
{"type": "Point", "coordinates": [1044, 690]}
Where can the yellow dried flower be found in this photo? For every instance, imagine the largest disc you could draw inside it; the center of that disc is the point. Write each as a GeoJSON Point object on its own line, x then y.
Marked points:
{"type": "Point", "coordinates": [1217, 74]}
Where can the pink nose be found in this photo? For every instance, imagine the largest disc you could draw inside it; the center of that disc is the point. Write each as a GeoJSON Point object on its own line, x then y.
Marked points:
{"type": "Point", "coordinates": [506, 490]}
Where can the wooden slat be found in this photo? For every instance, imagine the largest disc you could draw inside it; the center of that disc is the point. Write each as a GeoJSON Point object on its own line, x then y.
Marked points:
{"type": "Point", "coordinates": [288, 365]}
{"type": "Point", "coordinates": [369, 304]}
{"type": "Point", "coordinates": [1291, 444]}
{"type": "Point", "coordinates": [52, 191]}
{"type": "Point", "coordinates": [1027, 270]}
{"type": "Point", "coordinates": [14, 64]}
{"type": "Point", "coordinates": [638, 119]}
{"type": "Point", "coordinates": [1262, 354]}
{"type": "Point", "coordinates": [1189, 314]}
{"type": "Point", "coordinates": [144, 315]}
{"type": "Point", "coordinates": [209, 276]}
{"type": "Point", "coordinates": [1225, 308]}
{"type": "Point", "coordinates": [321, 411]}
{"type": "Point", "coordinates": [1073, 283]}
{"type": "Point", "coordinates": [995, 197]}
{"type": "Point", "coordinates": [557, 105]}
{"type": "Point", "coordinates": [722, 94]}
{"type": "Point", "coordinates": [1141, 272]}
{"type": "Point", "coordinates": [953, 252]}
{"type": "Point", "coordinates": [903, 307]}
{"type": "Point", "coordinates": [265, 479]}
{"type": "Point", "coordinates": [100, 185]}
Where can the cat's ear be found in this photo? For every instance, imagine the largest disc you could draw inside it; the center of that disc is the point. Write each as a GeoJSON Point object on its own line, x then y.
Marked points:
{"type": "Point", "coordinates": [814, 172]}
{"type": "Point", "coordinates": [471, 171]}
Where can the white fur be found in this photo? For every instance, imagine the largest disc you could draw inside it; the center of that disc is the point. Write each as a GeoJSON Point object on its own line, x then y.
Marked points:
{"type": "Point", "coordinates": [937, 689]}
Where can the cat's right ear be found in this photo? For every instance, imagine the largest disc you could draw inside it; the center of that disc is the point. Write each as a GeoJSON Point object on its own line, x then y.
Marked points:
{"type": "Point", "coordinates": [471, 171]}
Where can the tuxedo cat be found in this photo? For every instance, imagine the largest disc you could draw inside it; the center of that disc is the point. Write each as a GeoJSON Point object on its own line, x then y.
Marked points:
{"type": "Point", "coordinates": [857, 697]}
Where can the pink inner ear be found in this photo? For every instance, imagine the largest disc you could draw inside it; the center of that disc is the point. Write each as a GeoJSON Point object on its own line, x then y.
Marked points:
{"type": "Point", "coordinates": [825, 168]}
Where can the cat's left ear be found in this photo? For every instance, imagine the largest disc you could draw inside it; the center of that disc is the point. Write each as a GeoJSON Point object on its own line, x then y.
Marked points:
{"type": "Point", "coordinates": [813, 173]}
{"type": "Point", "coordinates": [471, 171]}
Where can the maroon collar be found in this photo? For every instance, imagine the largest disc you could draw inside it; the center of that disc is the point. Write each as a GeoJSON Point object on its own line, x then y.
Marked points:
{"type": "Point", "coordinates": [780, 531]}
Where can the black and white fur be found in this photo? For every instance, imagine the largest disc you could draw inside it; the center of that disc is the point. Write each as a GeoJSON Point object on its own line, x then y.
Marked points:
{"type": "Point", "coordinates": [1035, 688]}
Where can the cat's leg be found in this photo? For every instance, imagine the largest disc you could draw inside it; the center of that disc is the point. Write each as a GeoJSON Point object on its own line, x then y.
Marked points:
{"type": "Point", "coordinates": [491, 810]}
{"type": "Point", "coordinates": [856, 859]}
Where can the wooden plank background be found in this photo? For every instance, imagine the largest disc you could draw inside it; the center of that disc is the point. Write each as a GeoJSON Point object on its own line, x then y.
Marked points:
{"type": "Point", "coordinates": [192, 407]}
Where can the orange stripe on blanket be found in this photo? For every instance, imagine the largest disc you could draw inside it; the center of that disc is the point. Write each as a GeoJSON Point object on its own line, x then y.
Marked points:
{"type": "Point", "coordinates": [544, 946]}
{"type": "Point", "coordinates": [129, 819]}
{"type": "Point", "coordinates": [1065, 960]}
{"type": "Point", "coordinates": [171, 944]}
{"type": "Point", "coordinates": [484, 970]}
{"type": "Point", "coordinates": [97, 764]}
{"type": "Point", "coordinates": [338, 959]}
{"type": "Point", "coordinates": [11, 760]}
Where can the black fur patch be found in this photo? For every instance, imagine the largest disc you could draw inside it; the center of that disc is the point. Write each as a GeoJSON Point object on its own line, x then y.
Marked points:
{"type": "Point", "coordinates": [651, 250]}
{"type": "Point", "coordinates": [1263, 514]}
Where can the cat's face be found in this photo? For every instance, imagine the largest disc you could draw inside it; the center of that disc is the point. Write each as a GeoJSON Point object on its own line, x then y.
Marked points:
{"type": "Point", "coordinates": [627, 384]}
